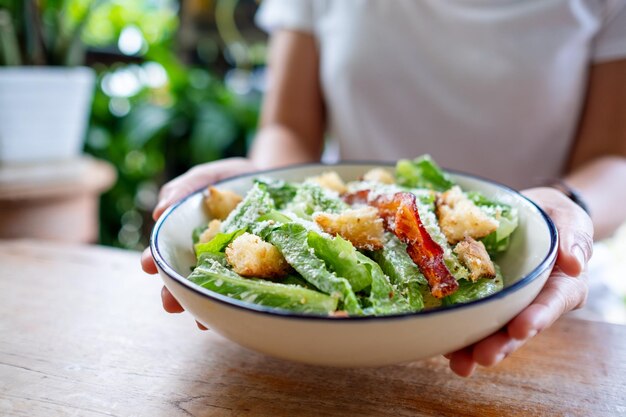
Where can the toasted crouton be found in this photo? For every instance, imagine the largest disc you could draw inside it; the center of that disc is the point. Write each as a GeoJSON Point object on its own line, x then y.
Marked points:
{"type": "Point", "coordinates": [475, 257]}
{"type": "Point", "coordinates": [215, 226]}
{"type": "Point", "coordinates": [363, 227]}
{"type": "Point", "coordinates": [379, 175]}
{"type": "Point", "coordinates": [330, 180]}
{"type": "Point", "coordinates": [460, 217]}
{"type": "Point", "coordinates": [219, 203]}
{"type": "Point", "coordinates": [250, 256]}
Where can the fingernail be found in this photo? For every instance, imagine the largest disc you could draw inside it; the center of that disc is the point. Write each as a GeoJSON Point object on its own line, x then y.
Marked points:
{"type": "Point", "coordinates": [532, 334]}
{"type": "Point", "coordinates": [157, 210]}
{"type": "Point", "coordinates": [499, 358]}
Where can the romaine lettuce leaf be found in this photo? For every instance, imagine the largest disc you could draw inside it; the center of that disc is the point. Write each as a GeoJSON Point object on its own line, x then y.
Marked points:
{"type": "Point", "coordinates": [218, 243]}
{"type": "Point", "coordinates": [212, 275]}
{"type": "Point", "coordinates": [507, 216]}
{"type": "Point", "coordinates": [280, 191]}
{"type": "Point", "coordinates": [384, 298]}
{"type": "Point", "coordinates": [311, 198]}
{"type": "Point", "coordinates": [291, 241]}
{"type": "Point", "coordinates": [256, 203]}
{"type": "Point", "coordinates": [470, 291]}
{"type": "Point", "coordinates": [341, 257]}
{"type": "Point", "coordinates": [422, 172]}
{"type": "Point", "coordinates": [402, 271]}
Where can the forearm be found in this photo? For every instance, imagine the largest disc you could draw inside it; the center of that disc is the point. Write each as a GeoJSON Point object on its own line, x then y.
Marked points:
{"type": "Point", "coordinates": [601, 185]}
{"type": "Point", "coordinates": [276, 145]}
{"type": "Point", "coordinates": [293, 116]}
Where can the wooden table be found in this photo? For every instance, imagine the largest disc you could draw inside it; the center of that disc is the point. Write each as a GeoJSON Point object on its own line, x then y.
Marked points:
{"type": "Point", "coordinates": [82, 333]}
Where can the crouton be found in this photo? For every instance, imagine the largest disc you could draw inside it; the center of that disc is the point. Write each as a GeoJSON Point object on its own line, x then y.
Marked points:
{"type": "Point", "coordinates": [362, 227]}
{"type": "Point", "coordinates": [219, 203]}
{"type": "Point", "coordinates": [215, 226]}
{"type": "Point", "coordinates": [460, 217]}
{"type": "Point", "coordinates": [330, 180]}
{"type": "Point", "coordinates": [250, 256]}
{"type": "Point", "coordinates": [475, 257]}
{"type": "Point", "coordinates": [379, 175]}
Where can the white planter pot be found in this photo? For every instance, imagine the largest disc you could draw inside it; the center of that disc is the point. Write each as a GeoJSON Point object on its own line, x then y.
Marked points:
{"type": "Point", "coordinates": [43, 112]}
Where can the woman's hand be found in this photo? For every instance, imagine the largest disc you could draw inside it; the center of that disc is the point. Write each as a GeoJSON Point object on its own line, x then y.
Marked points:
{"type": "Point", "coordinates": [178, 188]}
{"type": "Point", "coordinates": [565, 290]}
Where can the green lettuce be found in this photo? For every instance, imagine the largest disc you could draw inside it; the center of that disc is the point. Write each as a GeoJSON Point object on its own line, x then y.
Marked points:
{"type": "Point", "coordinates": [212, 275]}
{"type": "Point", "coordinates": [218, 243]}
{"type": "Point", "coordinates": [422, 172]}
{"type": "Point", "coordinates": [341, 257]}
{"type": "Point", "coordinates": [508, 219]}
{"type": "Point", "coordinates": [256, 203]}
{"type": "Point", "coordinates": [292, 241]}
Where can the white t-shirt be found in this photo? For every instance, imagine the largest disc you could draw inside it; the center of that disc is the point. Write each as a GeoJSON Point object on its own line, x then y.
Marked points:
{"type": "Point", "coordinates": [490, 87]}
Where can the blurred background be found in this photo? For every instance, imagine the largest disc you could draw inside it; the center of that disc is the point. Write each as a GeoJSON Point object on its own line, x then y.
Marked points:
{"type": "Point", "coordinates": [103, 101]}
{"type": "Point", "coordinates": [178, 82]}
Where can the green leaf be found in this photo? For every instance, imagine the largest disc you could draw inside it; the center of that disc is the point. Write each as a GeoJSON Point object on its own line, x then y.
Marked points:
{"type": "Point", "coordinates": [404, 274]}
{"type": "Point", "coordinates": [275, 216]}
{"type": "Point", "coordinates": [213, 131]}
{"type": "Point", "coordinates": [507, 217]}
{"type": "Point", "coordinates": [255, 204]}
{"type": "Point", "coordinates": [470, 291]}
{"type": "Point", "coordinates": [291, 241]}
{"type": "Point", "coordinates": [282, 192]}
{"type": "Point", "coordinates": [197, 231]}
{"type": "Point", "coordinates": [422, 172]}
{"type": "Point", "coordinates": [212, 275]}
{"type": "Point", "coordinates": [218, 243]}
{"type": "Point", "coordinates": [9, 46]}
{"type": "Point", "coordinates": [311, 198]}
{"type": "Point", "coordinates": [145, 123]}
{"type": "Point", "coordinates": [342, 258]}
{"type": "Point", "coordinates": [384, 298]}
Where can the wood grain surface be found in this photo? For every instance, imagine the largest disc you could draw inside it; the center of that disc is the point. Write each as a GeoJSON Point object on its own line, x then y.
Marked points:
{"type": "Point", "coordinates": [82, 333]}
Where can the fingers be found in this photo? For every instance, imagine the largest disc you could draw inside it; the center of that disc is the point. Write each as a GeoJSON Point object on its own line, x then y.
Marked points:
{"type": "Point", "coordinates": [574, 226]}
{"type": "Point", "coordinates": [169, 302]}
{"type": "Point", "coordinates": [147, 262]}
{"type": "Point", "coordinates": [172, 306]}
{"type": "Point", "coordinates": [575, 239]}
{"type": "Point", "coordinates": [197, 177]}
{"type": "Point", "coordinates": [492, 350]}
{"type": "Point", "coordinates": [560, 295]}
{"type": "Point", "coordinates": [462, 362]}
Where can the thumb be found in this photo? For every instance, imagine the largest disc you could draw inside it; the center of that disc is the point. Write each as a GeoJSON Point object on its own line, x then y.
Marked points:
{"type": "Point", "coordinates": [574, 226]}
{"type": "Point", "coordinates": [197, 177]}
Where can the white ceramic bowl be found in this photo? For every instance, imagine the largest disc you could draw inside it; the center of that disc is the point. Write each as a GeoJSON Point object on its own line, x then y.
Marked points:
{"type": "Point", "coordinates": [356, 341]}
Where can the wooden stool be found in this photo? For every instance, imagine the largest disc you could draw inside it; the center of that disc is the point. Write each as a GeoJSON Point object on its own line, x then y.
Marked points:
{"type": "Point", "coordinates": [54, 200]}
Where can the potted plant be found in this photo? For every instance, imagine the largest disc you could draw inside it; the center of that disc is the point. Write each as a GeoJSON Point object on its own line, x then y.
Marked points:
{"type": "Point", "coordinates": [45, 93]}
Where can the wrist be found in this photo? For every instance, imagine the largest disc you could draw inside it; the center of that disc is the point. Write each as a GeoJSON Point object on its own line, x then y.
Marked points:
{"type": "Point", "coordinates": [570, 192]}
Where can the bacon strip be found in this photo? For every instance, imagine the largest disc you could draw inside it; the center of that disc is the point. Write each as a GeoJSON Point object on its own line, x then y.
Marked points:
{"type": "Point", "coordinates": [401, 217]}
{"type": "Point", "coordinates": [357, 197]}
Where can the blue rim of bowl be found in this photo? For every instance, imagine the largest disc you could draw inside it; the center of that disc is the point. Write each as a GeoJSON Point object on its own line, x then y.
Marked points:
{"type": "Point", "coordinates": [543, 266]}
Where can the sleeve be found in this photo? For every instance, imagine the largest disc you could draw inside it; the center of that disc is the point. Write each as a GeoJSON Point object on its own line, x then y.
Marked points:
{"type": "Point", "coordinates": [610, 42]}
{"type": "Point", "coordinates": [286, 14]}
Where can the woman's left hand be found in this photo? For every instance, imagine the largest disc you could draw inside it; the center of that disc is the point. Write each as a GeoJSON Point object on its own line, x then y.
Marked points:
{"type": "Point", "coordinates": [565, 290]}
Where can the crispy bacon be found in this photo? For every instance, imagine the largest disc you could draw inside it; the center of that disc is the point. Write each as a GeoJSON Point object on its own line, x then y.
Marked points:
{"type": "Point", "coordinates": [399, 212]}
{"type": "Point", "coordinates": [357, 197]}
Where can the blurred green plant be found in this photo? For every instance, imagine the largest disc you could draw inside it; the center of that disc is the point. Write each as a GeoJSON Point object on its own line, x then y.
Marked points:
{"type": "Point", "coordinates": [44, 32]}
{"type": "Point", "coordinates": [176, 118]}
{"type": "Point", "coordinates": [153, 116]}
{"type": "Point", "coordinates": [156, 118]}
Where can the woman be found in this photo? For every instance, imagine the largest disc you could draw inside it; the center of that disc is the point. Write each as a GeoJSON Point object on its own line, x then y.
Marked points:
{"type": "Point", "coordinates": [493, 88]}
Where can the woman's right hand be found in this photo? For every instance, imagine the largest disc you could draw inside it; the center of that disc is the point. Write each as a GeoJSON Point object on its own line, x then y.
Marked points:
{"type": "Point", "coordinates": [192, 180]}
